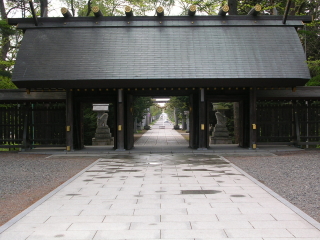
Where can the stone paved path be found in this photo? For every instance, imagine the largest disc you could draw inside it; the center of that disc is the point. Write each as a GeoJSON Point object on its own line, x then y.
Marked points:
{"type": "Point", "coordinates": [180, 195]}
{"type": "Point", "coordinates": [161, 196]}
{"type": "Point", "coordinates": [160, 139]}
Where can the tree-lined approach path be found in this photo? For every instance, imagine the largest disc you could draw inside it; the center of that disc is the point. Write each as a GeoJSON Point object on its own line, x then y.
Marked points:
{"type": "Point", "coordinates": [161, 138]}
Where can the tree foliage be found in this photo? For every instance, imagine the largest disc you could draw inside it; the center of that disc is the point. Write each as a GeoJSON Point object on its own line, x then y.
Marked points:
{"type": "Point", "coordinates": [6, 83]}
{"type": "Point", "coordinates": [314, 67]}
{"type": "Point", "coordinates": [140, 106]}
{"type": "Point", "coordinates": [180, 104]}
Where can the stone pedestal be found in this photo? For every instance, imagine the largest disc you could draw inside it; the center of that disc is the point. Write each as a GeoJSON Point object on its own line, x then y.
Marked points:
{"type": "Point", "coordinates": [102, 137]}
{"type": "Point", "coordinates": [220, 135]}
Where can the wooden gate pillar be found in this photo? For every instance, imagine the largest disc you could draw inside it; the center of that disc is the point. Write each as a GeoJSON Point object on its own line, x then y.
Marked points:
{"type": "Point", "coordinates": [119, 145]}
{"type": "Point", "coordinates": [203, 128]}
{"type": "Point", "coordinates": [129, 140]}
{"type": "Point", "coordinates": [69, 120]}
{"type": "Point", "coordinates": [253, 118]}
{"type": "Point", "coordinates": [193, 121]}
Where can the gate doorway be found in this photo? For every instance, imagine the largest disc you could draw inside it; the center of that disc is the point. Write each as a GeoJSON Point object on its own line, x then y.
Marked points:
{"type": "Point", "coordinates": [122, 100]}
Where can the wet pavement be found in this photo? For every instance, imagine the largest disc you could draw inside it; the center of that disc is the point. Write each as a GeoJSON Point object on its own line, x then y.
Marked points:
{"type": "Point", "coordinates": [162, 190]}
{"type": "Point", "coordinates": [161, 196]}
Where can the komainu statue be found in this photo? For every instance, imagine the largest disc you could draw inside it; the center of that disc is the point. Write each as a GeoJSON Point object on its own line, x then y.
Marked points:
{"type": "Point", "coordinates": [221, 119]}
{"type": "Point", "coordinates": [102, 120]}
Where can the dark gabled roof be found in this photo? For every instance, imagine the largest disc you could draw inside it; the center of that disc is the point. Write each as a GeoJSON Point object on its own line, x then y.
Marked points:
{"type": "Point", "coordinates": [190, 52]}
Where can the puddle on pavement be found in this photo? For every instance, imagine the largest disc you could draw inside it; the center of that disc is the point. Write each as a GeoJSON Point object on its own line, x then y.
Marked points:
{"type": "Point", "coordinates": [88, 180]}
{"type": "Point", "coordinates": [195, 170]}
{"type": "Point", "coordinates": [237, 195]}
{"type": "Point", "coordinates": [59, 235]}
{"type": "Point", "coordinates": [234, 174]}
{"type": "Point", "coordinates": [199, 192]}
{"type": "Point", "coordinates": [181, 176]}
{"type": "Point", "coordinates": [96, 171]}
{"type": "Point", "coordinates": [128, 170]}
{"type": "Point", "coordinates": [138, 195]}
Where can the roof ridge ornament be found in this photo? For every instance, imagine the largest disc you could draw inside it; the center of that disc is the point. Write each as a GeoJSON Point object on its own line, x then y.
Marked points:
{"type": "Point", "coordinates": [128, 11]}
{"type": "Point", "coordinates": [224, 10]}
{"type": "Point", "coordinates": [285, 16]}
{"type": "Point", "coordinates": [255, 10]}
{"type": "Point", "coordinates": [34, 15]}
{"type": "Point", "coordinates": [192, 10]}
{"type": "Point", "coordinates": [96, 11]}
{"type": "Point", "coordinates": [160, 11]}
{"type": "Point", "coordinates": [65, 12]}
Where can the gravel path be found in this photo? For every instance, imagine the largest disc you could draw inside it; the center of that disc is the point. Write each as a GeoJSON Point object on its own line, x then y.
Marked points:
{"type": "Point", "coordinates": [24, 179]}
{"type": "Point", "coordinates": [293, 175]}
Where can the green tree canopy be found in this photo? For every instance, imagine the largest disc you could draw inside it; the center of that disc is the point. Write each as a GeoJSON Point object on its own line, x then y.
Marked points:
{"type": "Point", "coordinates": [140, 105]}
{"type": "Point", "coordinates": [180, 103]}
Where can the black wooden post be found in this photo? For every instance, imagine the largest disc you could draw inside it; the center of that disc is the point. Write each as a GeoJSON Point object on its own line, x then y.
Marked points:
{"type": "Point", "coordinates": [25, 136]}
{"type": "Point", "coordinates": [203, 128]}
{"type": "Point", "coordinates": [69, 120]}
{"type": "Point", "coordinates": [193, 121]}
{"type": "Point", "coordinates": [120, 121]}
{"type": "Point", "coordinates": [129, 140]}
{"type": "Point", "coordinates": [297, 126]}
{"type": "Point", "coordinates": [293, 127]}
{"type": "Point", "coordinates": [241, 124]}
{"type": "Point", "coordinates": [253, 118]}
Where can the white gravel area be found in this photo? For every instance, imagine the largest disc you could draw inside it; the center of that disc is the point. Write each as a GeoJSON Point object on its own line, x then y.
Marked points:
{"type": "Point", "coordinates": [293, 175]}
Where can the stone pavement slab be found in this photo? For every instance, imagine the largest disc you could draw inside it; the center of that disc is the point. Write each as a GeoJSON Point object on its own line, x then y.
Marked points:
{"type": "Point", "coordinates": [162, 196]}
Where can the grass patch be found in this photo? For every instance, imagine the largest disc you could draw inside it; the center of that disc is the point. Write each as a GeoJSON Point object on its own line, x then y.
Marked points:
{"type": "Point", "coordinates": [184, 134]}
{"type": "Point", "coordinates": [139, 134]}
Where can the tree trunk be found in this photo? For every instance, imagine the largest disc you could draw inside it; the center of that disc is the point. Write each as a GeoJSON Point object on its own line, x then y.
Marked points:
{"type": "Point", "coordinates": [135, 124]}
{"type": "Point", "coordinates": [5, 41]}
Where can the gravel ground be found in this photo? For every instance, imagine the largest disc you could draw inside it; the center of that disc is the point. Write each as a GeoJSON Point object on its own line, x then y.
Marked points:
{"type": "Point", "coordinates": [25, 178]}
{"type": "Point", "coordinates": [293, 175]}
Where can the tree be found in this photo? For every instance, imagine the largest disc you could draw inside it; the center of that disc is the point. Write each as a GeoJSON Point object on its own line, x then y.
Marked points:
{"type": "Point", "coordinates": [140, 105]}
{"type": "Point", "coordinates": [6, 83]}
{"type": "Point", "coordinates": [314, 67]}
{"type": "Point", "coordinates": [176, 107]}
